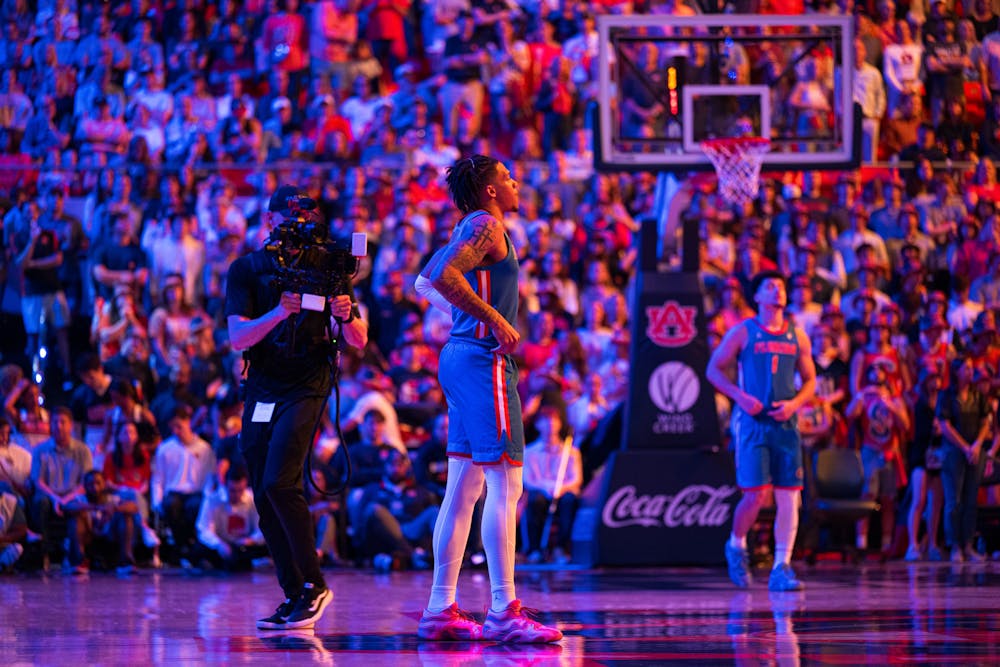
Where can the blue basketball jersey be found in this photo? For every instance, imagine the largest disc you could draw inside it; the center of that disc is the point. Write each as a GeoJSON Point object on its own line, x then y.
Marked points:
{"type": "Point", "coordinates": [496, 285]}
{"type": "Point", "coordinates": [768, 363]}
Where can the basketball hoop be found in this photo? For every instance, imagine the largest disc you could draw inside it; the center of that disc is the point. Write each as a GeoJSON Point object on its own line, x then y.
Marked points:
{"type": "Point", "coordinates": [737, 162]}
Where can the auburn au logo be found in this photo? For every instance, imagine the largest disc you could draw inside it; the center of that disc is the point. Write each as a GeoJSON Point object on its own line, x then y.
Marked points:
{"type": "Point", "coordinates": [671, 325]}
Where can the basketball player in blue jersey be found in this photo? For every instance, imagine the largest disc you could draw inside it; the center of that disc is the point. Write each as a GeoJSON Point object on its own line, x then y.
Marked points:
{"type": "Point", "coordinates": [475, 278]}
{"type": "Point", "coordinates": [769, 350]}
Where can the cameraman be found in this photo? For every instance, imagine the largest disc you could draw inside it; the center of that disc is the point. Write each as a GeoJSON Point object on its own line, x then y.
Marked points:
{"type": "Point", "coordinates": [289, 379]}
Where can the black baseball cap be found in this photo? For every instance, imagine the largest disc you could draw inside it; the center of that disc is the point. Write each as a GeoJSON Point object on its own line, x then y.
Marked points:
{"type": "Point", "coordinates": [279, 200]}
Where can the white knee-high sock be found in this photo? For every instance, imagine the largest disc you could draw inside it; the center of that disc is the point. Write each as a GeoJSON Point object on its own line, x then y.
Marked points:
{"type": "Point", "coordinates": [451, 531]}
{"type": "Point", "coordinates": [503, 489]}
{"type": "Point", "coordinates": [786, 524]}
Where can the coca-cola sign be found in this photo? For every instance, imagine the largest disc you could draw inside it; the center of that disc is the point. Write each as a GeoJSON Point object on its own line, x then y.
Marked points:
{"type": "Point", "coordinates": [665, 507]}
{"type": "Point", "coordinates": [696, 505]}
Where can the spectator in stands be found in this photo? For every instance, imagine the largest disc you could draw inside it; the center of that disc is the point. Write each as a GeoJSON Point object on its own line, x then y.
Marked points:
{"type": "Point", "coordinates": [946, 63]}
{"type": "Point", "coordinates": [119, 260]}
{"type": "Point", "coordinates": [924, 457]}
{"type": "Point", "coordinates": [395, 517]}
{"type": "Point", "coordinates": [852, 239]}
{"type": "Point", "coordinates": [101, 515]}
{"type": "Point", "coordinates": [58, 466]}
{"type": "Point", "coordinates": [15, 466]}
{"type": "Point", "coordinates": [103, 139]}
{"type": "Point", "coordinates": [132, 362]}
{"type": "Point", "coordinates": [39, 251]}
{"type": "Point", "coordinates": [903, 125]}
{"type": "Point", "coordinates": [431, 464]}
{"type": "Point", "coordinates": [127, 408]}
{"type": "Point", "coordinates": [91, 399]}
{"type": "Point", "coordinates": [884, 419]}
{"type": "Point", "coordinates": [41, 134]}
{"type": "Point", "coordinates": [285, 42]}
{"type": "Point", "coordinates": [902, 69]}
{"type": "Point", "coordinates": [369, 454]}
{"type": "Point", "coordinates": [553, 473]}
{"type": "Point", "coordinates": [13, 527]}
{"type": "Point", "coordinates": [182, 474]}
{"type": "Point", "coordinates": [986, 290]}
{"type": "Point", "coordinates": [16, 109]}
{"type": "Point", "coordinates": [334, 29]}
{"type": "Point", "coordinates": [24, 404]}
{"type": "Point", "coordinates": [170, 324]}
{"type": "Point", "coordinates": [127, 465]}
{"type": "Point", "coordinates": [463, 90]}
{"type": "Point", "coordinates": [229, 527]}
{"type": "Point", "coordinates": [869, 93]}
{"type": "Point", "coordinates": [240, 135]}
{"type": "Point", "coordinates": [179, 253]}
{"type": "Point", "coordinates": [964, 420]}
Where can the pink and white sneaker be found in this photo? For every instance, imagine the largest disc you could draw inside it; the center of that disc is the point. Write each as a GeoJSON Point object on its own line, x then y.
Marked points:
{"type": "Point", "coordinates": [514, 624]}
{"type": "Point", "coordinates": [452, 624]}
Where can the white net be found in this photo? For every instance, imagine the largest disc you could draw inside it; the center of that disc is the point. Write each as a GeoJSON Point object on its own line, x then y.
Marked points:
{"type": "Point", "coordinates": [737, 163]}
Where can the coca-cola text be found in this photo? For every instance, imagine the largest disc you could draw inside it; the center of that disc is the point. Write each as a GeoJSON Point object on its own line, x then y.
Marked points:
{"type": "Point", "coordinates": [694, 505]}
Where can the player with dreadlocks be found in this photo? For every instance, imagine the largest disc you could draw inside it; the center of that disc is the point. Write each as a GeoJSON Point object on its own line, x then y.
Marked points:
{"type": "Point", "coordinates": [474, 277]}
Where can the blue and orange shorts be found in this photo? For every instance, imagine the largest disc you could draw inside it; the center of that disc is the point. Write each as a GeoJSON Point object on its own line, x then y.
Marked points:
{"type": "Point", "coordinates": [484, 409]}
{"type": "Point", "coordinates": [768, 453]}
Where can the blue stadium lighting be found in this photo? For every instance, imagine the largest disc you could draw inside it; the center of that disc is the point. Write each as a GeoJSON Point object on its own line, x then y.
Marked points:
{"type": "Point", "coordinates": [42, 352]}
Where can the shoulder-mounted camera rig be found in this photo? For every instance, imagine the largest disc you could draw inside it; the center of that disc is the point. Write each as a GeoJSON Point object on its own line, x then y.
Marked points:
{"type": "Point", "coordinates": [309, 260]}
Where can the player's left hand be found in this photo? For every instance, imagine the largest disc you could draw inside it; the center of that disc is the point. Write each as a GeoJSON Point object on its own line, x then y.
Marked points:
{"type": "Point", "coordinates": [340, 307]}
{"type": "Point", "coordinates": [782, 411]}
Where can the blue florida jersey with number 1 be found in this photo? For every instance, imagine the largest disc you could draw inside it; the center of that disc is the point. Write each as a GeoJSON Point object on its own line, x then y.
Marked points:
{"type": "Point", "coordinates": [495, 284]}
{"type": "Point", "coordinates": [768, 363]}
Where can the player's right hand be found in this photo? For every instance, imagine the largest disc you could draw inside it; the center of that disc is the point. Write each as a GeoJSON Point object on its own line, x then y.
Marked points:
{"type": "Point", "coordinates": [290, 304]}
{"type": "Point", "coordinates": [749, 404]}
{"type": "Point", "coordinates": [507, 337]}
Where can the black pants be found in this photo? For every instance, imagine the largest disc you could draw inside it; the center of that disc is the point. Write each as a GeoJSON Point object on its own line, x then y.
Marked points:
{"type": "Point", "coordinates": [276, 453]}
{"type": "Point", "coordinates": [180, 513]}
{"type": "Point", "coordinates": [537, 512]}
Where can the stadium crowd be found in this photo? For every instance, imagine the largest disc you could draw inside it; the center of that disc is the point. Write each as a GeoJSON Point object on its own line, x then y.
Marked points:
{"type": "Point", "coordinates": [140, 142]}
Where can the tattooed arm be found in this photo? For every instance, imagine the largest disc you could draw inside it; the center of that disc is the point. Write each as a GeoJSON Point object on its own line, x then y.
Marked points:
{"type": "Point", "coordinates": [480, 241]}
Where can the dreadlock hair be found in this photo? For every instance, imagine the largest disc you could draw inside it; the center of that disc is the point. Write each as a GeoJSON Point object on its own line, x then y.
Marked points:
{"type": "Point", "coordinates": [467, 178]}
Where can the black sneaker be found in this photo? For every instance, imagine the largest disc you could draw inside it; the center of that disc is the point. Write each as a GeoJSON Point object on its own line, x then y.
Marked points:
{"type": "Point", "coordinates": [276, 621]}
{"type": "Point", "coordinates": [309, 607]}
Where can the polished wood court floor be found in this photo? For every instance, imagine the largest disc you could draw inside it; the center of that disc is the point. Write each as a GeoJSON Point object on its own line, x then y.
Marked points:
{"type": "Point", "coordinates": [870, 614]}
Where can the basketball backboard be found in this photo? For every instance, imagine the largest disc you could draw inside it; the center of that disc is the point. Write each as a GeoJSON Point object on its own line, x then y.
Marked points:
{"type": "Point", "coordinates": [667, 83]}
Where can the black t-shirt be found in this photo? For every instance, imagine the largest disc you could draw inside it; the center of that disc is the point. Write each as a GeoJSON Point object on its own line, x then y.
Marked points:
{"type": "Point", "coordinates": [831, 378]}
{"type": "Point", "coordinates": [116, 257]}
{"type": "Point", "coordinates": [40, 281]}
{"type": "Point", "coordinates": [949, 83]}
{"type": "Point", "coordinates": [73, 243]}
{"type": "Point", "coordinates": [966, 416]}
{"type": "Point", "coordinates": [88, 406]}
{"type": "Point", "coordinates": [292, 361]}
{"type": "Point", "coordinates": [485, 34]}
{"type": "Point", "coordinates": [456, 46]}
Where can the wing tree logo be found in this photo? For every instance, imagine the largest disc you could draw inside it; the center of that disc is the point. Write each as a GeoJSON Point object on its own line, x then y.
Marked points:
{"type": "Point", "coordinates": [671, 325]}
{"type": "Point", "coordinates": [674, 387]}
